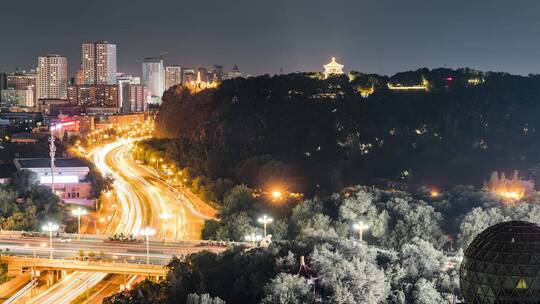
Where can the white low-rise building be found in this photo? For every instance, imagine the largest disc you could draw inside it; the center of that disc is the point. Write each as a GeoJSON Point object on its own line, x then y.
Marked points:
{"type": "Point", "coordinates": [70, 177]}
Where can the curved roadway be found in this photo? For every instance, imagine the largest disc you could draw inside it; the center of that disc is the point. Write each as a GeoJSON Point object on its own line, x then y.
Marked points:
{"type": "Point", "coordinates": [142, 196]}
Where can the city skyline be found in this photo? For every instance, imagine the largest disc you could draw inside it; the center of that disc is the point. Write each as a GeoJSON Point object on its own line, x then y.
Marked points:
{"type": "Point", "coordinates": [382, 37]}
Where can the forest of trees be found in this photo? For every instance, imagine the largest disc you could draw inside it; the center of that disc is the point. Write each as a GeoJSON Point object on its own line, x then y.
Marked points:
{"type": "Point", "coordinates": [320, 136]}
{"type": "Point", "coordinates": [317, 136]}
{"type": "Point", "coordinates": [25, 205]}
{"type": "Point", "coordinates": [409, 243]}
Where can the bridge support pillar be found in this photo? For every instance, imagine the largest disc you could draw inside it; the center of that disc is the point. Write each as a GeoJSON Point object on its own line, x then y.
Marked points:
{"type": "Point", "coordinates": [50, 278]}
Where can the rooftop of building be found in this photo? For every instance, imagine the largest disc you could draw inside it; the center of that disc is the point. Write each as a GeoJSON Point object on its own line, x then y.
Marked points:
{"type": "Point", "coordinates": [32, 135]}
{"type": "Point", "coordinates": [46, 162]}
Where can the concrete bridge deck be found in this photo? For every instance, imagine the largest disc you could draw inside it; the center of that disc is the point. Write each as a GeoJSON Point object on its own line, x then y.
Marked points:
{"type": "Point", "coordinates": [25, 265]}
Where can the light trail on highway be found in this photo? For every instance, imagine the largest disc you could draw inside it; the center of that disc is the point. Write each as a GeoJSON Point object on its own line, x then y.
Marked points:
{"type": "Point", "coordinates": [142, 196]}
{"type": "Point", "coordinates": [69, 288]}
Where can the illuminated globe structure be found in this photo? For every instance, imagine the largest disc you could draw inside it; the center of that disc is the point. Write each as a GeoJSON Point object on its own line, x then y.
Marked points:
{"type": "Point", "coordinates": [502, 265]}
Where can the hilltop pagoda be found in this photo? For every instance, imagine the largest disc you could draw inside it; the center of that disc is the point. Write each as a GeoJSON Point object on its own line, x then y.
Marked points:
{"type": "Point", "coordinates": [332, 68]}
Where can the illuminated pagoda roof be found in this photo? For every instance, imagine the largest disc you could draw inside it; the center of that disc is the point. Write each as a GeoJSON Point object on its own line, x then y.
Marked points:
{"type": "Point", "coordinates": [333, 68]}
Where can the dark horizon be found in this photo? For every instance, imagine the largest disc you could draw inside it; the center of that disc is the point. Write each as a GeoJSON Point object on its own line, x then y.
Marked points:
{"type": "Point", "coordinates": [374, 37]}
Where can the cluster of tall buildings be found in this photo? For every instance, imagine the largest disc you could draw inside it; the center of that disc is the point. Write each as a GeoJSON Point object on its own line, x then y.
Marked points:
{"type": "Point", "coordinates": [97, 86]}
{"type": "Point", "coordinates": [159, 77]}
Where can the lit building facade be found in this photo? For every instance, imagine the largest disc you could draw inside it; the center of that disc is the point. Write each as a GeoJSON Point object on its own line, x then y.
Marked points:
{"type": "Point", "coordinates": [132, 95]}
{"type": "Point", "coordinates": [94, 96]}
{"type": "Point", "coordinates": [333, 68]}
{"type": "Point", "coordinates": [153, 78]}
{"type": "Point", "coordinates": [70, 177]}
{"type": "Point", "coordinates": [99, 63]}
{"type": "Point", "coordinates": [188, 75]}
{"type": "Point", "coordinates": [173, 76]}
{"type": "Point", "coordinates": [21, 86]}
{"type": "Point", "coordinates": [52, 78]}
{"type": "Point", "coordinates": [21, 98]}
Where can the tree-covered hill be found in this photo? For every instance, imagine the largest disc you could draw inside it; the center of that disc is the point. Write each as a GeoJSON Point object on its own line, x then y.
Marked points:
{"type": "Point", "coordinates": [322, 134]}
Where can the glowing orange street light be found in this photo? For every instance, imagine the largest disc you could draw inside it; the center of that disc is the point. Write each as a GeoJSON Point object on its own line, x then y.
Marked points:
{"type": "Point", "coordinates": [434, 193]}
{"type": "Point", "coordinates": [277, 194]}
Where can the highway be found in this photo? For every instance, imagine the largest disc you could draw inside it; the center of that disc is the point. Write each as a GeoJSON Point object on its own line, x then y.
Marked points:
{"type": "Point", "coordinates": [142, 199]}
{"type": "Point", "coordinates": [130, 252]}
{"type": "Point", "coordinates": [143, 196]}
{"type": "Point", "coordinates": [68, 288]}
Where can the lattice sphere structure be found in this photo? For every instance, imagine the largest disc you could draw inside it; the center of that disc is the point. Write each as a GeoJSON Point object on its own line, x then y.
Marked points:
{"type": "Point", "coordinates": [502, 265]}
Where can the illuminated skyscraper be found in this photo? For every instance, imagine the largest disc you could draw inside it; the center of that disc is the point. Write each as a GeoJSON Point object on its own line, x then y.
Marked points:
{"type": "Point", "coordinates": [99, 63]}
{"type": "Point", "coordinates": [153, 78]}
{"type": "Point", "coordinates": [52, 77]}
{"type": "Point", "coordinates": [173, 76]}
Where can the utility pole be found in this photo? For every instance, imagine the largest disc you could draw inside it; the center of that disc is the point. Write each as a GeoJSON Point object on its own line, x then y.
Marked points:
{"type": "Point", "coordinates": [52, 152]}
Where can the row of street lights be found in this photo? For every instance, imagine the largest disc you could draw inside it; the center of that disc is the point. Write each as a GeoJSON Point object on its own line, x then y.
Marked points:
{"type": "Point", "coordinates": [146, 232]}
{"type": "Point", "coordinates": [265, 220]}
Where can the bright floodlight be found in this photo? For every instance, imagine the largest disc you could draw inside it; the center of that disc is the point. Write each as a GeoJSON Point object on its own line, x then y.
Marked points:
{"type": "Point", "coordinates": [360, 227]}
{"type": "Point", "coordinates": [50, 227]}
{"type": "Point", "coordinates": [79, 211]}
{"type": "Point", "coordinates": [265, 220]}
{"type": "Point", "coordinates": [147, 231]}
{"type": "Point", "coordinates": [276, 194]}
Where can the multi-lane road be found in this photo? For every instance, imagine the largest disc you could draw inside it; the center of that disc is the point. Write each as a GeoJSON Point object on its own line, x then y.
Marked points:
{"type": "Point", "coordinates": [160, 252]}
{"type": "Point", "coordinates": [143, 199]}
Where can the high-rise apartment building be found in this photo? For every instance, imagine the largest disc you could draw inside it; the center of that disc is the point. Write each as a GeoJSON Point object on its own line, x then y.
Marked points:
{"type": "Point", "coordinates": [173, 76]}
{"type": "Point", "coordinates": [21, 80]}
{"type": "Point", "coordinates": [132, 95]}
{"type": "Point", "coordinates": [18, 98]}
{"type": "Point", "coordinates": [52, 78]}
{"type": "Point", "coordinates": [22, 89]}
{"type": "Point", "coordinates": [99, 63]}
{"type": "Point", "coordinates": [94, 96]}
{"type": "Point", "coordinates": [153, 78]}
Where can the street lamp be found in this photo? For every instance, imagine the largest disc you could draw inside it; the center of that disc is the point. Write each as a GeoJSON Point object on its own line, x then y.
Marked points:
{"type": "Point", "coordinates": [265, 220]}
{"type": "Point", "coordinates": [360, 226]}
{"type": "Point", "coordinates": [165, 216]}
{"type": "Point", "coordinates": [147, 232]}
{"type": "Point", "coordinates": [253, 238]}
{"type": "Point", "coordinates": [78, 212]}
{"type": "Point", "coordinates": [50, 227]}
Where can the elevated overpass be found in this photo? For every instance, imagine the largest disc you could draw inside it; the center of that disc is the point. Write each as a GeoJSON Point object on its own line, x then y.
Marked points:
{"type": "Point", "coordinates": [29, 266]}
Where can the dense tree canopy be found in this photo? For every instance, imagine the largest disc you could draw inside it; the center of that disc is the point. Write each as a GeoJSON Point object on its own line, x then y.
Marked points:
{"type": "Point", "coordinates": [315, 135]}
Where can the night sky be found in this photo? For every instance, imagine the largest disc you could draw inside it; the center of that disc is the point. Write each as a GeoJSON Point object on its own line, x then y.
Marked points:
{"type": "Point", "coordinates": [379, 36]}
